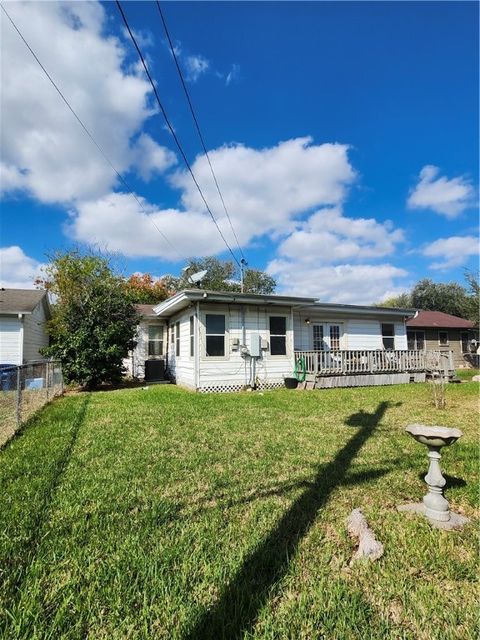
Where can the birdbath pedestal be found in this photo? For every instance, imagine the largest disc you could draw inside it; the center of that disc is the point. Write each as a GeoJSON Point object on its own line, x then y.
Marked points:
{"type": "Point", "coordinates": [434, 506]}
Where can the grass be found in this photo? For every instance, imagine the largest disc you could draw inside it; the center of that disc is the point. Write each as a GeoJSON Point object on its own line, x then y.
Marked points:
{"type": "Point", "coordinates": [165, 514]}
{"type": "Point", "coordinates": [467, 374]}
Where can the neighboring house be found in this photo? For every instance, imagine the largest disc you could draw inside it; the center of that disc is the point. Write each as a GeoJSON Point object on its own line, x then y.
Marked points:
{"type": "Point", "coordinates": [214, 341]}
{"type": "Point", "coordinates": [435, 330]}
{"type": "Point", "coordinates": [23, 317]}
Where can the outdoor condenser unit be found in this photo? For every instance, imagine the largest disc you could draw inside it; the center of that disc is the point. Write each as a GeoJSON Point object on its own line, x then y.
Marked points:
{"type": "Point", "coordinates": [154, 370]}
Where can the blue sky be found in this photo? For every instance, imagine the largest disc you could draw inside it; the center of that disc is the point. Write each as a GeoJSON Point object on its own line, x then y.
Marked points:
{"type": "Point", "coordinates": [344, 137]}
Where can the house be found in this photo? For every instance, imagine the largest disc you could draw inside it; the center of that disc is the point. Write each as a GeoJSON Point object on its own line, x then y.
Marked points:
{"type": "Point", "coordinates": [23, 317]}
{"type": "Point", "coordinates": [435, 330]}
{"type": "Point", "coordinates": [220, 341]}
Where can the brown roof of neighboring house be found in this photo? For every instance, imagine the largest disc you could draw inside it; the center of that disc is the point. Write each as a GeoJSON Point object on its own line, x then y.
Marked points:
{"type": "Point", "coordinates": [146, 310]}
{"type": "Point", "coordinates": [20, 300]}
{"type": "Point", "coordinates": [439, 319]}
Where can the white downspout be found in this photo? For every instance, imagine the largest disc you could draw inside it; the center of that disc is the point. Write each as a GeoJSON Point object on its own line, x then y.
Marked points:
{"type": "Point", "coordinates": [21, 338]}
{"type": "Point", "coordinates": [197, 347]}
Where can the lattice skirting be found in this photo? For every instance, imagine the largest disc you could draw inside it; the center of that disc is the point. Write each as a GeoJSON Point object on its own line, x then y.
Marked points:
{"type": "Point", "coordinates": [226, 387]}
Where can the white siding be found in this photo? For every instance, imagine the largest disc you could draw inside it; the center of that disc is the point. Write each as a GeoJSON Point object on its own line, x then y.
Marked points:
{"type": "Point", "coordinates": [234, 369]}
{"type": "Point", "coordinates": [35, 334]}
{"type": "Point", "coordinates": [364, 334]}
{"type": "Point", "coordinates": [10, 333]}
{"type": "Point", "coordinates": [182, 367]}
{"type": "Point", "coordinates": [358, 333]}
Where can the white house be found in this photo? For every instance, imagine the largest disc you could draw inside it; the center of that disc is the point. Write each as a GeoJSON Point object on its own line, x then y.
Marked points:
{"type": "Point", "coordinates": [23, 317]}
{"type": "Point", "coordinates": [214, 341]}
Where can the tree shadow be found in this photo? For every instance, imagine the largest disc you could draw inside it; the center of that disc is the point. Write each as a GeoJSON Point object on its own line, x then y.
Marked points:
{"type": "Point", "coordinates": [235, 613]}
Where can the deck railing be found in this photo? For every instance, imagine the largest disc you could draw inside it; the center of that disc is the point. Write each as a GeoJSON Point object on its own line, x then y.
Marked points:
{"type": "Point", "coordinates": [378, 361]}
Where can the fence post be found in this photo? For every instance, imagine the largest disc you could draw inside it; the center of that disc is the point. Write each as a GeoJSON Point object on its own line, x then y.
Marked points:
{"type": "Point", "coordinates": [47, 379]}
{"type": "Point", "coordinates": [18, 398]}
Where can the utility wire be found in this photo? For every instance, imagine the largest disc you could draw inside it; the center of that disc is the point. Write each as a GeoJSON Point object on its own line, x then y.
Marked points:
{"type": "Point", "coordinates": [172, 131]}
{"type": "Point", "coordinates": [84, 127]}
{"type": "Point", "coordinates": [195, 119]}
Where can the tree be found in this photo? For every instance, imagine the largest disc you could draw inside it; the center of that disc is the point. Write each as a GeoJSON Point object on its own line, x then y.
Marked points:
{"type": "Point", "coordinates": [256, 281]}
{"type": "Point", "coordinates": [222, 276]}
{"type": "Point", "coordinates": [473, 282]}
{"type": "Point", "coordinates": [94, 322]}
{"type": "Point", "coordinates": [144, 289]}
{"type": "Point", "coordinates": [402, 301]}
{"type": "Point", "coordinates": [449, 297]}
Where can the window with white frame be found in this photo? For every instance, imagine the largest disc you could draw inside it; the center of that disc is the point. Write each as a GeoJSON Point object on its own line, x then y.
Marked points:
{"type": "Point", "coordinates": [177, 338]}
{"type": "Point", "coordinates": [278, 335]}
{"type": "Point", "coordinates": [215, 335]}
{"type": "Point", "coordinates": [155, 340]}
{"type": "Point", "coordinates": [443, 338]}
{"type": "Point", "coordinates": [388, 336]}
{"type": "Point", "coordinates": [192, 336]}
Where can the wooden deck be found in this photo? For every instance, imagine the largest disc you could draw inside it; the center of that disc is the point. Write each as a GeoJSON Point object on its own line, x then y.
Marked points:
{"type": "Point", "coordinates": [343, 363]}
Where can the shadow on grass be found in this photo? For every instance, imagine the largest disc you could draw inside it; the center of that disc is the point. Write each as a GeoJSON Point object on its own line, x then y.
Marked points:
{"type": "Point", "coordinates": [26, 554]}
{"type": "Point", "coordinates": [234, 615]}
{"type": "Point", "coordinates": [452, 481]}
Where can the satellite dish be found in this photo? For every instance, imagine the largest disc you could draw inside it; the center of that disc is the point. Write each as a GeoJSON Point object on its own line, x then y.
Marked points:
{"type": "Point", "coordinates": [196, 278]}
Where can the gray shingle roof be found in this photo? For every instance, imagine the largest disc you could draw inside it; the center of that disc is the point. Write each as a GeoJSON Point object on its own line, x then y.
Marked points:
{"type": "Point", "coordinates": [20, 300]}
{"type": "Point", "coordinates": [146, 310]}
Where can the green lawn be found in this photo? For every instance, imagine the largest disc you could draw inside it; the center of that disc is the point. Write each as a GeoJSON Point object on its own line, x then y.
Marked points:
{"type": "Point", "coordinates": [165, 514]}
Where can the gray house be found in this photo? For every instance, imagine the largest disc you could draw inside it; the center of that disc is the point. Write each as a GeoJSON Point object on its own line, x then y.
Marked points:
{"type": "Point", "coordinates": [23, 317]}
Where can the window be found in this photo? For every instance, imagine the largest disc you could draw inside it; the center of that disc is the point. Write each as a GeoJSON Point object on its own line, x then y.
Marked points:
{"type": "Point", "coordinates": [443, 338]}
{"type": "Point", "coordinates": [388, 336]}
{"type": "Point", "coordinates": [335, 337]}
{"type": "Point", "coordinates": [192, 336]}
{"type": "Point", "coordinates": [465, 342]}
{"type": "Point", "coordinates": [278, 336]}
{"type": "Point", "coordinates": [155, 340]}
{"type": "Point", "coordinates": [415, 340]}
{"type": "Point", "coordinates": [215, 334]}
{"type": "Point", "coordinates": [318, 344]}
{"type": "Point", "coordinates": [177, 338]}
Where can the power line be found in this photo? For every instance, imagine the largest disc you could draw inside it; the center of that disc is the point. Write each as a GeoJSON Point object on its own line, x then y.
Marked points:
{"type": "Point", "coordinates": [172, 131]}
{"type": "Point", "coordinates": [195, 119]}
{"type": "Point", "coordinates": [84, 127]}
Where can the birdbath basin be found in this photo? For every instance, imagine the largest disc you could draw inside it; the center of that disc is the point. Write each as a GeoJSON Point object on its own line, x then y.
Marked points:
{"type": "Point", "coordinates": [435, 507]}
{"type": "Point", "coordinates": [437, 437]}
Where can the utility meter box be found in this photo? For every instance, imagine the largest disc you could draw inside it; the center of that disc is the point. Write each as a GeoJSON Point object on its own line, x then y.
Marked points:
{"type": "Point", "coordinates": [255, 342]}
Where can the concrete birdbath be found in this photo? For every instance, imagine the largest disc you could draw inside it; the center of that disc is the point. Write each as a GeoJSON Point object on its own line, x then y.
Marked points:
{"type": "Point", "coordinates": [434, 506]}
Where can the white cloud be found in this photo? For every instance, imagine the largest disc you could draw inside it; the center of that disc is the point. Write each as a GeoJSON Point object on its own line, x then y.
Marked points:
{"type": "Point", "coordinates": [449, 197]}
{"type": "Point", "coordinates": [196, 66]}
{"type": "Point", "coordinates": [452, 252]}
{"type": "Point", "coordinates": [264, 190]}
{"type": "Point", "coordinates": [44, 149]}
{"type": "Point", "coordinates": [232, 75]}
{"type": "Point", "coordinates": [345, 283]}
{"type": "Point", "coordinates": [119, 224]}
{"type": "Point", "coordinates": [151, 158]}
{"type": "Point", "coordinates": [328, 237]}
{"type": "Point", "coordinates": [17, 270]}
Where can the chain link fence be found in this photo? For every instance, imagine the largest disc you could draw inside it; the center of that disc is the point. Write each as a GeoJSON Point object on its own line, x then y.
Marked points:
{"type": "Point", "coordinates": [23, 390]}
